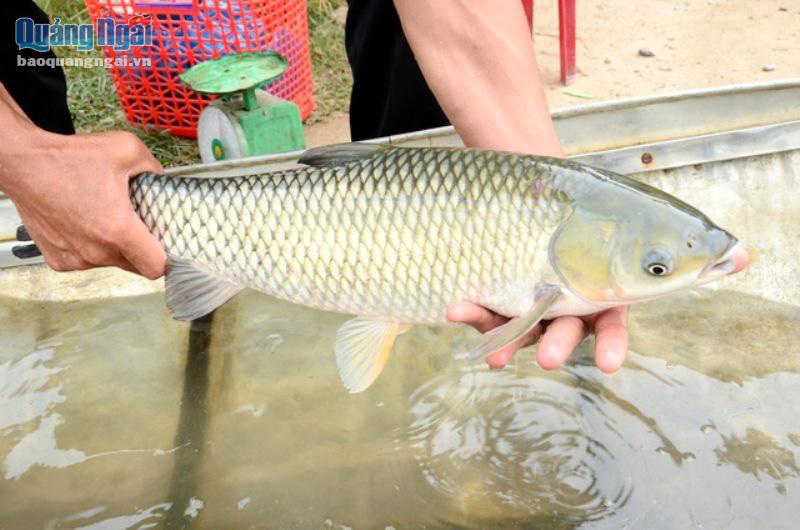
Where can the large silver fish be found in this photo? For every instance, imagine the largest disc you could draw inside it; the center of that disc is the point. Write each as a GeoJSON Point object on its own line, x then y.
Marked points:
{"type": "Point", "coordinates": [395, 235]}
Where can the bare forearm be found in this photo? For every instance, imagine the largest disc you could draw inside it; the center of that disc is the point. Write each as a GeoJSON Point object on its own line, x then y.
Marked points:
{"type": "Point", "coordinates": [19, 139]}
{"type": "Point", "coordinates": [478, 58]}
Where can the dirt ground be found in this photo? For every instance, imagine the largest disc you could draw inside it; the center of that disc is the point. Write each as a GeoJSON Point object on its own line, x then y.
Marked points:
{"type": "Point", "coordinates": [695, 44]}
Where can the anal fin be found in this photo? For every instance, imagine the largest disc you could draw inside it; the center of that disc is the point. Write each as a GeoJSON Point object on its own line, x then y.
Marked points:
{"type": "Point", "coordinates": [516, 328]}
{"type": "Point", "coordinates": [193, 292]}
{"type": "Point", "coordinates": [362, 349]}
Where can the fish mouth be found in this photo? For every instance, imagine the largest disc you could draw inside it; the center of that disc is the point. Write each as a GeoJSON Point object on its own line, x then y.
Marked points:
{"type": "Point", "coordinates": [734, 259]}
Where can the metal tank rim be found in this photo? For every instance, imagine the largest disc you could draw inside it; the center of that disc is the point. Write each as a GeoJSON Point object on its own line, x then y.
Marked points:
{"type": "Point", "coordinates": [627, 136]}
{"type": "Point", "coordinates": [743, 117]}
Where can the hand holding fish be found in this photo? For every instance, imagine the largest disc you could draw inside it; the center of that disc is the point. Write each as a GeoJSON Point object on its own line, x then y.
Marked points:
{"type": "Point", "coordinates": [500, 71]}
{"type": "Point", "coordinates": [561, 336]}
{"type": "Point", "coordinates": [72, 194]}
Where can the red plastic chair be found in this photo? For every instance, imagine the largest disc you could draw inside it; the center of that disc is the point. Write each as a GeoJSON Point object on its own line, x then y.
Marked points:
{"type": "Point", "coordinates": [566, 34]}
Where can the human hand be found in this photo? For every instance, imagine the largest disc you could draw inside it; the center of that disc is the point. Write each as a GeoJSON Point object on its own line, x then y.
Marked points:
{"type": "Point", "coordinates": [561, 336]}
{"type": "Point", "coordinates": [72, 195]}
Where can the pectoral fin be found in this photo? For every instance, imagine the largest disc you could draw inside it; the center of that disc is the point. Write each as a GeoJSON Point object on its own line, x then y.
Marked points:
{"type": "Point", "coordinates": [362, 349]}
{"type": "Point", "coordinates": [193, 292]}
{"type": "Point", "coordinates": [516, 328]}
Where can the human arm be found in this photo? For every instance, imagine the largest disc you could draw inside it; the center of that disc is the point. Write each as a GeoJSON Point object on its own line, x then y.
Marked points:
{"type": "Point", "coordinates": [478, 59]}
{"type": "Point", "coordinates": [72, 194]}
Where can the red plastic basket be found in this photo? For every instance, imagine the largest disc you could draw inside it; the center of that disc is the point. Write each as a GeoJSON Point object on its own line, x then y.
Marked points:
{"type": "Point", "coordinates": [185, 32]}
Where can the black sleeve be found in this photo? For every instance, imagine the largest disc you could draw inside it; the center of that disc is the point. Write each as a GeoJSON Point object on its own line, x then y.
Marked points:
{"type": "Point", "coordinates": [390, 95]}
{"type": "Point", "coordinates": [41, 91]}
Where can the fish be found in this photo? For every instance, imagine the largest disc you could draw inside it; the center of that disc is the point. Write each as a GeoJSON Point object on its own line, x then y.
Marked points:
{"type": "Point", "coordinates": [394, 235]}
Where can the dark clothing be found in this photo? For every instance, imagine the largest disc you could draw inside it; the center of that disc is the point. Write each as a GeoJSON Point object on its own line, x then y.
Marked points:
{"type": "Point", "coordinates": [41, 91]}
{"type": "Point", "coordinates": [390, 95]}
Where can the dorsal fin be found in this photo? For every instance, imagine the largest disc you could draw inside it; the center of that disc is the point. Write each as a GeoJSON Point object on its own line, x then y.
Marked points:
{"type": "Point", "coordinates": [334, 155]}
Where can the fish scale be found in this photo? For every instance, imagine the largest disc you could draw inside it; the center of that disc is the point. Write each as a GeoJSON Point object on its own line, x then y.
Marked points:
{"type": "Point", "coordinates": [399, 235]}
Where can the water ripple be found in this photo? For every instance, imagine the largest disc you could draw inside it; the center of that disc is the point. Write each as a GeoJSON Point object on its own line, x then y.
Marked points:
{"type": "Point", "coordinates": [504, 444]}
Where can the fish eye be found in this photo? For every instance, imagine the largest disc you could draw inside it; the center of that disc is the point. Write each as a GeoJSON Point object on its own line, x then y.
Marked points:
{"type": "Point", "coordinates": [657, 269]}
{"type": "Point", "coordinates": [658, 262]}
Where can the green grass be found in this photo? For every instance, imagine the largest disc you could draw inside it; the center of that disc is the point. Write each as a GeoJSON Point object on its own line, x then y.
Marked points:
{"type": "Point", "coordinates": [95, 107]}
{"type": "Point", "coordinates": [332, 77]}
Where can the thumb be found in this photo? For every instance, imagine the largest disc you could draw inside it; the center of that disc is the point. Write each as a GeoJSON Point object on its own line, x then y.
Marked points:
{"type": "Point", "coordinates": [146, 163]}
{"type": "Point", "coordinates": [132, 156]}
{"type": "Point", "coordinates": [142, 249]}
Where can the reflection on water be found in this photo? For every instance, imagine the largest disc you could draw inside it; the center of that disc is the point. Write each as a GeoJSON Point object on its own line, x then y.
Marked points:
{"type": "Point", "coordinates": [114, 416]}
{"type": "Point", "coordinates": [192, 425]}
{"type": "Point", "coordinates": [758, 453]}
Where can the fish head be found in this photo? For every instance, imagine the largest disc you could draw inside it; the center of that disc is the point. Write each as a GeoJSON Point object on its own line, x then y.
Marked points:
{"type": "Point", "coordinates": [634, 243]}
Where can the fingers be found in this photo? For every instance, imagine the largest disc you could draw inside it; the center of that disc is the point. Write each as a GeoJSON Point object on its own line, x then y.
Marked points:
{"type": "Point", "coordinates": [125, 265]}
{"type": "Point", "coordinates": [78, 211]}
{"type": "Point", "coordinates": [63, 261]}
{"type": "Point", "coordinates": [502, 357]}
{"type": "Point", "coordinates": [128, 246]}
{"type": "Point", "coordinates": [611, 342]}
{"type": "Point", "coordinates": [485, 320]}
{"type": "Point", "coordinates": [145, 254]}
{"type": "Point", "coordinates": [142, 250]}
{"type": "Point", "coordinates": [476, 316]}
{"type": "Point", "coordinates": [109, 257]}
{"type": "Point", "coordinates": [561, 337]}
{"type": "Point", "coordinates": [54, 251]}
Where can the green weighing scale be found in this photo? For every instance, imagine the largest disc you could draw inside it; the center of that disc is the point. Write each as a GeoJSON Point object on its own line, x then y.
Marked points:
{"type": "Point", "coordinates": [245, 120]}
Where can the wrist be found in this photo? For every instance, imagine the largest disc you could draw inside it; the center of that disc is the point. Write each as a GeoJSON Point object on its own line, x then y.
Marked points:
{"type": "Point", "coordinates": [24, 148]}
